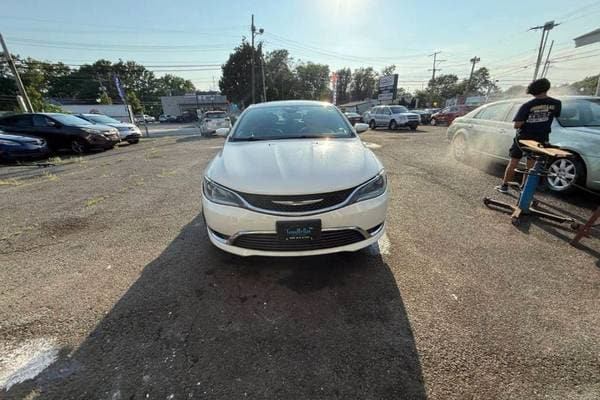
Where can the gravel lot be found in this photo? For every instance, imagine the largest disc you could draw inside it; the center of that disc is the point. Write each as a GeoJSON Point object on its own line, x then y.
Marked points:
{"type": "Point", "coordinates": [106, 270]}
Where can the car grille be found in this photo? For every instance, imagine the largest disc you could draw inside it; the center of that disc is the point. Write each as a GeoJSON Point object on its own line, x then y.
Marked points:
{"type": "Point", "coordinates": [414, 117]}
{"type": "Point", "coordinates": [266, 202]}
{"type": "Point", "coordinates": [327, 240]}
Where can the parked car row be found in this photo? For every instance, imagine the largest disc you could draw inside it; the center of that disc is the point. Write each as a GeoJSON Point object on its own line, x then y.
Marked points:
{"type": "Point", "coordinates": [488, 131]}
{"type": "Point", "coordinates": [213, 120]}
{"type": "Point", "coordinates": [35, 135]}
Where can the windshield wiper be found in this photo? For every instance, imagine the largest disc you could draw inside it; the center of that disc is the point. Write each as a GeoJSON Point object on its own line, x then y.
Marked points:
{"type": "Point", "coordinates": [249, 139]}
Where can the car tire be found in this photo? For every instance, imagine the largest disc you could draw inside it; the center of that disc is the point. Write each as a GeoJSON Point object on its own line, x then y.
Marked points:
{"type": "Point", "coordinates": [460, 149]}
{"type": "Point", "coordinates": [565, 174]}
{"type": "Point", "coordinates": [413, 128]}
{"type": "Point", "coordinates": [372, 124]}
{"type": "Point", "coordinates": [393, 125]}
{"type": "Point", "coordinates": [433, 122]}
{"type": "Point", "coordinates": [134, 141]}
{"type": "Point", "coordinates": [78, 146]}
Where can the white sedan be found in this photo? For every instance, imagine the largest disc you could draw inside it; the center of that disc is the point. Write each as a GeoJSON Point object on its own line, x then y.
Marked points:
{"type": "Point", "coordinates": [294, 179]}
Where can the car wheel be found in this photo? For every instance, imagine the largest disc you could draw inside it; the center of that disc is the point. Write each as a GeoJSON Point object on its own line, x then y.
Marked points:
{"type": "Point", "coordinates": [413, 127]}
{"type": "Point", "coordinates": [134, 141]}
{"type": "Point", "coordinates": [78, 146]}
{"type": "Point", "coordinates": [433, 122]}
{"type": "Point", "coordinates": [393, 125]}
{"type": "Point", "coordinates": [564, 174]}
{"type": "Point", "coordinates": [372, 124]}
{"type": "Point", "coordinates": [460, 149]}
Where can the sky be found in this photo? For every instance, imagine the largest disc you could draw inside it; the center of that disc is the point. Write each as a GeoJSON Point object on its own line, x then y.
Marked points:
{"type": "Point", "coordinates": [192, 38]}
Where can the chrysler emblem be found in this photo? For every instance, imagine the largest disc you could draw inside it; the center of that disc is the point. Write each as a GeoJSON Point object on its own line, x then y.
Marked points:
{"type": "Point", "coordinates": [297, 202]}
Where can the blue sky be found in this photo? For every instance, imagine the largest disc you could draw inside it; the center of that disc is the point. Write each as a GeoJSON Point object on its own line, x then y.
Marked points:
{"type": "Point", "coordinates": [341, 33]}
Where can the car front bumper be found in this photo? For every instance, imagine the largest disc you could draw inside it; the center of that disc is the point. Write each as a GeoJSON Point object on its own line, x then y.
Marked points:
{"type": "Point", "coordinates": [226, 225]}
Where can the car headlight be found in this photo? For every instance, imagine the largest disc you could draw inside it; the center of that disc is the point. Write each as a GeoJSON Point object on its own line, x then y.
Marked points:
{"type": "Point", "coordinates": [92, 130]}
{"type": "Point", "coordinates": [371, 189]}
{"type": "Point", "coordinates": [220, 195]}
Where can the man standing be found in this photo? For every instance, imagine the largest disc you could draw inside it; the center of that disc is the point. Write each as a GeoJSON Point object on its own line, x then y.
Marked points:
{"type": "Point", "coordinates": [533, 121]}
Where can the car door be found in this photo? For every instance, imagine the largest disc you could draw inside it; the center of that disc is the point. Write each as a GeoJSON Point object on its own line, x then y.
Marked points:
{"type": "Point", "coordinates": [492, 132]}
{"type": "Point", "coordinates": [385, 116]}
{"type": "Point", "coordinates": [50, 130]}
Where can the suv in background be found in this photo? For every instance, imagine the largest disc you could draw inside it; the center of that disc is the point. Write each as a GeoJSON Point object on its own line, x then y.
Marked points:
{"type": "Point", "coordinates": [393, 117]}
{"type": "Point", "coordinates": [448, 114]}
{"type": "Point", "coordinates": [213, 120]}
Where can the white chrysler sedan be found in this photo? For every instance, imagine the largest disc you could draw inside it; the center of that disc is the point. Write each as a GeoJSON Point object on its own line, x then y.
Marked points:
{"type": "Point", "coordinates": [294, 179]}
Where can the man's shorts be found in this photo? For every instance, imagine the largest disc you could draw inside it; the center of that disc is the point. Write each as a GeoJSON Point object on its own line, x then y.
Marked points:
{"type": "Point", "coordinates": [515, 150]}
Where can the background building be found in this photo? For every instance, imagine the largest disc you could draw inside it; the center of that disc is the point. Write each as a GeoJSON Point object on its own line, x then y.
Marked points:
{"type": "Point", "coordinates": [176, 105]}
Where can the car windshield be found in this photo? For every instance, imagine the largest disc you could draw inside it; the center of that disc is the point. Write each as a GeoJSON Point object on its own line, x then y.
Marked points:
{"type": "Point", "coordinates": [291, 122]}
{"type": "Point", "coordinates": [215, 115]}
{"type": "Point", "coordinates": [580, 112]}
{"type": "Point", "coordinates": [67, 119]}
{"type": "Point", "coordinates": [399, 109]}
{"type": "Point", "coordinates": [102, 119]}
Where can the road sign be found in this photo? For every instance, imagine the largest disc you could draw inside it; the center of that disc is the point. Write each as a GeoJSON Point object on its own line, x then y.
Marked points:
{"type": "Point", "coordinates": [388, 86]}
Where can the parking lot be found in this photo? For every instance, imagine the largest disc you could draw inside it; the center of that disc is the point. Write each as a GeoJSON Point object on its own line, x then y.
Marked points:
{"type": "Point", "coordinates": [107, 269]}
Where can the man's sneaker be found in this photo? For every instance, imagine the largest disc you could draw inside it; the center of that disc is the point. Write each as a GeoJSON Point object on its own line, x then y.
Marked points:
{"type": "Point", "coordinates": [502, 188]}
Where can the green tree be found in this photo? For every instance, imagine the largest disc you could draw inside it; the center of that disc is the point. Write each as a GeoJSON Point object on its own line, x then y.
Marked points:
{"type": "Point", "coordinates": [588, 85]}
{"type": "Point", "coordinates": [364, 83]}
{"type": "Point", "coordinates": [171, 85]}
{"type": "Point", "coordinates": [134, 102]}
{"type": "Point", "coordinates": [480, 84]}
{"type": "Point", "coordinates": [280, 78]}
{"type": "Point", "coordinates": [344, 80]}
{"type": "Point", "coordinates": [236, 76]}
{"type": "Point", "coordinates": [105, 98]}
{"type": "Point", "coordinates": [312, 81]}
{"type": "Point", "coordinates": [389, 70]}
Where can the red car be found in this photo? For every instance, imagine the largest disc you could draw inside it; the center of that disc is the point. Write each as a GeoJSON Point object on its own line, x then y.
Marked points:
{"type": "Point", "coordinates": [448, 114]}
{"type": "Point", "coordinates": [353, 117]}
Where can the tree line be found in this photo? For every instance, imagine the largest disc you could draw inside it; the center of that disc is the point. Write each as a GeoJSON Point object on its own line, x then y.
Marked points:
{"type": "Point", "coordinates": [90, 83]}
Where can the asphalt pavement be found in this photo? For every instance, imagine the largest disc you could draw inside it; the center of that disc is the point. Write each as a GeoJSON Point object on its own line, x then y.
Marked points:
{"type": "Point", "coordinates": [110, 289]}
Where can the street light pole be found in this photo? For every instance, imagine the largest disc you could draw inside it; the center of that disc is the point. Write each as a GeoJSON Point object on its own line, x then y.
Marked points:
{"type": "Point", "coordinates": [20, 87]}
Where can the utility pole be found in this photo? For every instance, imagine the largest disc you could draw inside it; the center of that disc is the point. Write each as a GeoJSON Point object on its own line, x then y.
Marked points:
{"type": "Point", "coordinates": [546, 28]}
{"type": "Point", "coordinates": [262, 64]}
{"type": "Point", "coordinates": [435, 61]}
{"type": "Point", "coordinates": [254, 32]}
{"type": "Point", "coordinates": [547, 63]}
{"type": "Point", "coordinates": [20, 87]}
{"type": "Point", "coordinates": [474, 61]}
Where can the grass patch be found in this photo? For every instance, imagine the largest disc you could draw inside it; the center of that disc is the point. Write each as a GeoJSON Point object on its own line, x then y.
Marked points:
{"type": "Point", "coordinates": [95, 201]}
{"type": "Point", "coordinates": [166, 173]}
{"type": "Point", "coordinates": [10, 182]}
{"type": "Point", "coordinates": [49, 176]}
{"type": "Point", "coordinates": [152, 153]}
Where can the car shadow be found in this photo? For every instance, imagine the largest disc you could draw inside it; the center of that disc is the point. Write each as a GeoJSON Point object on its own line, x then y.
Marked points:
{"type": "Point", "coordinates": [201, 322]}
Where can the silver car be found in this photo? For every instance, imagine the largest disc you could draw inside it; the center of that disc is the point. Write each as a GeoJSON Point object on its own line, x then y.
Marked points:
{"type": "Point", "coordinates": [392, 117]}
{"type": "Point", "coordinates": [488, 130]}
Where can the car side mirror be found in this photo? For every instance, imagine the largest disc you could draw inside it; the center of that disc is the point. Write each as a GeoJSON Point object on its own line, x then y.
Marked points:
{"type": "Point", "coordinates": [222, 132]}
{"type": "Point", "coordinates": [360, 127]}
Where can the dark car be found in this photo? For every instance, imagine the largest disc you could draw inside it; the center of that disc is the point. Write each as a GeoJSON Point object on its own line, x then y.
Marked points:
{"type": "Point", "coordinates": [425, 116]}
{"type": "Point", "coordinates": [353, 117]}
{"type": "Point", "coordinates": [21, 147]}
{"type": "Point", "coordinates": [128, 132]}
{"type": "Point", "coordinates": [448, 114]}
{"type": "Point", "coordinates": [63, 131]}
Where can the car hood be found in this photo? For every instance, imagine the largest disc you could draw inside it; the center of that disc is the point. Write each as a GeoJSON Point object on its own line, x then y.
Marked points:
{"type": "Point", "coordinates": [122, 126]}
{"type": "Point", "coordinates": [595, 130]}
{"type": "Point", "coordinates": [21, 138]}
{"type": "Point", "coordinates": [286, 167]}
{"type": "Point", "coordinates": [407, 114]}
